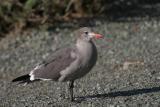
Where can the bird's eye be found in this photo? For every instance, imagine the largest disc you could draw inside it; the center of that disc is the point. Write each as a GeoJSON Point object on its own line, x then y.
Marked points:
{"type": "Point", "coordinates": [86, 33]}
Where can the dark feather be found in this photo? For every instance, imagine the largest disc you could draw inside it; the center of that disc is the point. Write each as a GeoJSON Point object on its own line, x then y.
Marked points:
{"type": "Point", "coordinates": [22, 79]}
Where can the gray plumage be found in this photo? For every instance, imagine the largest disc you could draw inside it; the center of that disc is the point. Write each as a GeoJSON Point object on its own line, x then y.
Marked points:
{"type": "Point", "coordinates": [68, 64]}
{"type": "Point", "coordinates": [50, 69]}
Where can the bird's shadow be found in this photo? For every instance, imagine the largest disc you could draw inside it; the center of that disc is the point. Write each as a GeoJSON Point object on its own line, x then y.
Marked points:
{"type": "Point", "coordinates": [120, 93]}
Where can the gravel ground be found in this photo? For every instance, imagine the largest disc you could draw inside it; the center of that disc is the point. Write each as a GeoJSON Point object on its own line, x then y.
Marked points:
{"type": "Point", "coordinates": [126, 74]}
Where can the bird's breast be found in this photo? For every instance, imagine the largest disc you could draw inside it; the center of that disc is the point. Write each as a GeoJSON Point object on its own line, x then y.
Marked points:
{"type": "Point", "coordinates": [87, 57]}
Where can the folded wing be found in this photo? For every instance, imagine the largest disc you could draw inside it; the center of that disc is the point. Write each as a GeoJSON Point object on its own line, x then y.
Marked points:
{"type": "Point", "coordinates": [51, 68]}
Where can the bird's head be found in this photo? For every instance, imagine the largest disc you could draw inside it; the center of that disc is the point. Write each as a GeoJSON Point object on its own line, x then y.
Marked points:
{"type": "Point", "coordinates": [86, 34]}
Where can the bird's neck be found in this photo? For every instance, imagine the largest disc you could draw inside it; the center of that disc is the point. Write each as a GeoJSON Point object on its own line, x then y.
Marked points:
{"type": "Point", "coordinates": [85, 48]}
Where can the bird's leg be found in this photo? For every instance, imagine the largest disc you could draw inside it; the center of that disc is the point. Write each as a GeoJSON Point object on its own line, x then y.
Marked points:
{"type": "Point", "coordinates": [71, 86]}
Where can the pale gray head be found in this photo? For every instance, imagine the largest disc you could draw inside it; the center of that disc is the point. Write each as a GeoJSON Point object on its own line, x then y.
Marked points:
{"type": "Point", "coordinates": [86, 34]}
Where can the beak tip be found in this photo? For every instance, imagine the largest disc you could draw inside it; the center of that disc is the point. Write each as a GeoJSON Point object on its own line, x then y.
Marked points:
{"type": "Point", "coordinates": [98, 36]}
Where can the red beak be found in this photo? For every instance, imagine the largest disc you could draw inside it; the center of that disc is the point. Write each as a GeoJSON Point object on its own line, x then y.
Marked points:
{"type": "Point", "coordinates": [98, 36]}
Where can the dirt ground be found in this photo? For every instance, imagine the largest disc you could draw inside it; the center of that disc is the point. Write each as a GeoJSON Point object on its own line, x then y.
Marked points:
{"type": "Point", "coordinates": [126, 74]}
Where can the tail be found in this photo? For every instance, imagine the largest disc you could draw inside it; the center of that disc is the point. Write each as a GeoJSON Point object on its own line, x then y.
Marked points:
{"type": "Point", "coordinates": [22, 79]}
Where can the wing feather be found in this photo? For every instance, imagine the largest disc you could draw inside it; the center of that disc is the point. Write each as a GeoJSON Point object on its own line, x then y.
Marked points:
{"type": "Point", "coordinates": [51, 68]}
